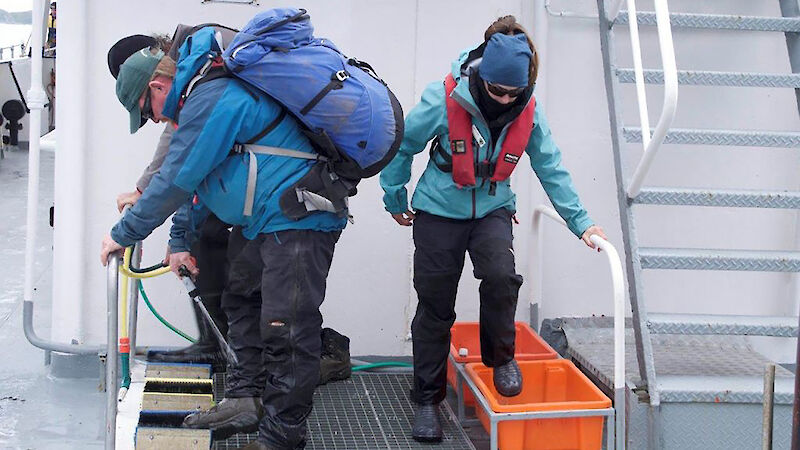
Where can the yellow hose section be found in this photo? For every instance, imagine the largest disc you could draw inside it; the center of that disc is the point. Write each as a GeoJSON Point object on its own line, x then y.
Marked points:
{"type": "Point", "coordinates": [126, 275]}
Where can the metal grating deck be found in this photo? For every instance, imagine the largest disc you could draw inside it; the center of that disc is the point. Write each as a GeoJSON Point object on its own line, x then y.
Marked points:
{"type": "Point", "coordinates": [366, 411]}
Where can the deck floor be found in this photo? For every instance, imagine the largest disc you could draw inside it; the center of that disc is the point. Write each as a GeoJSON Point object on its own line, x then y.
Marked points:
{"type": "Point", "coordinates": [36, 410]}
{"type": "Point", "coordinates": [366, 411]}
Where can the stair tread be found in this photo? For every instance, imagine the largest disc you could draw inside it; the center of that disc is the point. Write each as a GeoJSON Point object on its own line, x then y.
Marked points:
{"type": "Point", "coordinates": [723, 318]}
{"type": "Point", "coordinates": [717, 21]}
{"type": "Point", "coordinates": [722, 324]}
{"type": "Point", "coordinates": [718, 197]}
{"type": "Point", "coordinates": [715, 78]}
{"type": "Point", "coordinates": [699, 136]}
{"type": "Point", "coordinates": [719, 259]}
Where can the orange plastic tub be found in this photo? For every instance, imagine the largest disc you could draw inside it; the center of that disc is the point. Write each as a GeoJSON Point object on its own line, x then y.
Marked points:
{"type": "Point", "coordinates": [546, 386]}
{"type": "Point", "coordinates": [528, 346]}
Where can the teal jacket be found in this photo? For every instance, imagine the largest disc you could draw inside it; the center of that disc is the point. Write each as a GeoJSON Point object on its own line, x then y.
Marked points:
{"type": "Point", "coordinates": [199, 162]}
{"type": "Point", "coordinates": [436, 193]}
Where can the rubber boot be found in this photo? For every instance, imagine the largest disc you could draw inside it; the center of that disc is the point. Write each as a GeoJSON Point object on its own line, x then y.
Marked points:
{"type": "Point", "coordinates": [508, 379]}
{"type": "Point", "coordinates": [228, 417]}
{"type": "Point", "coordinates": [334, 361]}
{"type": "Point", "coordinates": [427, 426]}
{"type": "Point", "coordinates": [206, 350]}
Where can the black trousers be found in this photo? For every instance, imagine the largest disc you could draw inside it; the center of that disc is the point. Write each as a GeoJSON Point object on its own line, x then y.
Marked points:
{"type": "Point", "coordinates": [210, 251]}
{"type": "Point", "coordinates": [441, 244]}
{"type": "Point", "coordinates": [276, 285]}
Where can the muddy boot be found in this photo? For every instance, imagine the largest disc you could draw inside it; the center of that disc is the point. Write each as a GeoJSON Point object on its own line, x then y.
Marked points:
{"type": "Point", "coordinates": [205, 351]}
{"type": "Point", "coordinates": [228, 417]}
{"type": "Point", "coordinates": [335, 357]}
{"type": "Point", "coordinates": [427, 426]}
{"type": "Point", "coordinates": [508, 379]}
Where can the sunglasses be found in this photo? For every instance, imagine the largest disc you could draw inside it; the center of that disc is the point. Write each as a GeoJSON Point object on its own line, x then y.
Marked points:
{"type": "Point", "coordinates": [147, 108]}
{"type": "Point", "coordinates": [500, 92]}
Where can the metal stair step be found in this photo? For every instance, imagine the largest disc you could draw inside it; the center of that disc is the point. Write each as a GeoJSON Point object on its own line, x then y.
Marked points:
{"type": "Point", "coordinates": [717, 21]}
{"type": "Point", "coordinates": [721, 390]}
{"type": "Point", "coordinates": [781, 139]}
{"type": "Point", "coordinates": [707, 324]}
{"type": "Point", "coordinates": [721, 198]}
{"type": "Point", "coordinates": [712, 78]}
{"type": "Point", "coordinates": [691, 368]}
{"type": "Point", "coordinates": [717, 259]}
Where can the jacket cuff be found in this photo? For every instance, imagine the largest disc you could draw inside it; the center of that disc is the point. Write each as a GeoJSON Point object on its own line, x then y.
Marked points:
{"type": "Point", "coordinates": [120, 238]}
{"type": "Point", "coordinates": [177, 245]}
{"type": "Point", "coordinates": [397, 203]}
{"type": "Point", "coordinates": [579, 226]}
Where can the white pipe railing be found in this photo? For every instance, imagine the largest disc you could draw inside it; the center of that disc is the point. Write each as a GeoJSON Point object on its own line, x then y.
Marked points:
{"type": "Point", "coordinates": [36, 102]}
{"type": "Point", "coordinates": [670, 89]}
{"type": "Point", "coordinates": [638, 70]}
{"type": "Point", "coordinates": [615, 264]}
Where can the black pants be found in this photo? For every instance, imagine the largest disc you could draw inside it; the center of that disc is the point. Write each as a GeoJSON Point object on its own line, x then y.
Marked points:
{"type": "Point", "coordinates": [210, 251]}
{"type": "Point", "coordinates": [276, 285]}
{"type": "Point", "coordinates": [438, 261]}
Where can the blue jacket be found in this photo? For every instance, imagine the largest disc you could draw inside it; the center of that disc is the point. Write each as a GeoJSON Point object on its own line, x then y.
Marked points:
{"type": "Point", "coordinates": [436, 193]}
{"type": "Point", "coordinates": [216, 115]}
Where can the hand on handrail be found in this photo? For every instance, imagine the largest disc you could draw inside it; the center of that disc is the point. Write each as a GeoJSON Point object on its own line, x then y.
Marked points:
{"type": "Point", "coordinates": [108, 247]}
{"type": "Point", "coordinates": [127, 199]}
{"type": "Point", "coordinates": [594, 230]}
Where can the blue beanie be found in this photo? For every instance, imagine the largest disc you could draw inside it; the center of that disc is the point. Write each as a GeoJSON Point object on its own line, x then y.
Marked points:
{"type": "Point", "coordinates": [506, 60]}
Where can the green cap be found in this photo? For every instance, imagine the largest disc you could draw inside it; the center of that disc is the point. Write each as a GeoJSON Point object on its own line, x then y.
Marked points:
{"type": "Point", "coordinates": [134, 75]}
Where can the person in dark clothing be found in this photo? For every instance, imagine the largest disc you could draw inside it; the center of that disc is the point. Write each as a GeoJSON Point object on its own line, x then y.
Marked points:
{"type": "Point", "coordinates": [481, 120]}
{"type": "Point", "coordinates": [278, 269]}
{"type": "Point", "coordinates": [210, 249]}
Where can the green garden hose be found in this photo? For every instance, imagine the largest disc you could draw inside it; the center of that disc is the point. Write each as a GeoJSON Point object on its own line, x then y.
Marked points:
{"type": "Point", "coordinates": [380, 364]}
{"type": "Point", "coordinates": [161, 319]}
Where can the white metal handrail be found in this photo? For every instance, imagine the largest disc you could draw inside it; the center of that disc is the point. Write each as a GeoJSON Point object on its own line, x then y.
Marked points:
{"type": "Point", "coordinates": [615, 264]}
{"type": "Point", "coordinates": [651, 146]}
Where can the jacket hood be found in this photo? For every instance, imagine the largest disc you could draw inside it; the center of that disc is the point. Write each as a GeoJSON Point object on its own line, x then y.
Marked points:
{"type": "Point", "coordinates": [467, 61]}
{"type": "Point", "coordinates": [193, 54]}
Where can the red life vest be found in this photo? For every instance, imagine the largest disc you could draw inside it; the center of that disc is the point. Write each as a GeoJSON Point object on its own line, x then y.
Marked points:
{"type": "Point", "coordinates": [459, 125]}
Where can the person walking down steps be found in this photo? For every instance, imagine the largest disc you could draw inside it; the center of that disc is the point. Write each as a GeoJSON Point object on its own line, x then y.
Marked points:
{"type": "Point", "coordinates": [479, 120]}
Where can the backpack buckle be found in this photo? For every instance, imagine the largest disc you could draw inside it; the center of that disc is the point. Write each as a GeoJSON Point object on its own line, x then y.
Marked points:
{"type": "Point", "coordinates": [484, 169]}
{"type": "Point", "coordinates": [341, 75]}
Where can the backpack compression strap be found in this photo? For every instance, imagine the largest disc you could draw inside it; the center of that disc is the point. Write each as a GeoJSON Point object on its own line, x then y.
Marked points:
{"type": "Point", "coordinates": [517, 137]}
{"type": "Point", "coordinates": [459, 126]}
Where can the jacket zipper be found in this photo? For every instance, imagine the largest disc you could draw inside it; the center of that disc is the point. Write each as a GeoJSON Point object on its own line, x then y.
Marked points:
{"type": "Point", "coordinates": [473, 203]}
{"type": "Point", "coordinates": [477, 114]}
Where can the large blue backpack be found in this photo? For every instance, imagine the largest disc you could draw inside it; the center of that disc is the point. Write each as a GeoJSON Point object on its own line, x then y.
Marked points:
{"type": "Point", "coordinates": [353, 119]}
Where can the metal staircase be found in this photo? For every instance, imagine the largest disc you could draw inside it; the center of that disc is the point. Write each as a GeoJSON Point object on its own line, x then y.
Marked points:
{"type": "Point", "coordinates": [673, 384]}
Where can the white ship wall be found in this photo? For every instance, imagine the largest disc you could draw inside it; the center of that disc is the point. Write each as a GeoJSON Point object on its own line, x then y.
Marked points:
{"type": "Point", "coordinates": [411, 43]}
